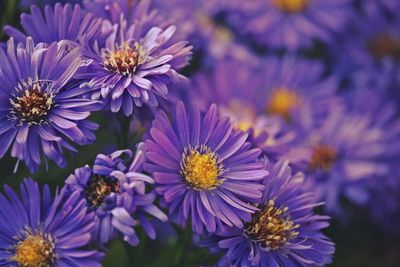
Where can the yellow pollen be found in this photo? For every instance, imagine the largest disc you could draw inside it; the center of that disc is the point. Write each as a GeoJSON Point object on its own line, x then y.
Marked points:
{"type": "Point", "coordinates": [99, 188]}
{"type": "Point", "coordinates": [201, 168]}
{"type": "Point", "coordinates": [384, 45]}
{"type": "Point", "coordinates": [291, 6]}
{"type": "Point", "coordinates": [272, 227]}
{"type": "Point", "coordinates": [33, 105]}
{"type": "Point", "coordinates": [282, 102]}
{"type": "Point", "coordinates": [243, 115]}
{"type": "Point", "coordinates": [35, 251]}
{"type": "Point", "coordinates": [122, 60]}
{"type": "Point", "coordinates": [322, 157]}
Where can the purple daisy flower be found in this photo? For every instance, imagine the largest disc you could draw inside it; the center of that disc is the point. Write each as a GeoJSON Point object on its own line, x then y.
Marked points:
{"type": "Point", "coordinates": [38, 230]}
{"type": "Point", "coordinates": [133, 68]}
{"type": "Point", "coordinates": [368, 57]}
{"type": "Point", "coordinates": [58, 23]}
{"type": "Point", "coordinates": [224, 85]}
{"type": "Point", "coordinates": [289, 24]}
{"type": "Point", "coordinates": [285, 232]}
{"type": "Point", "coordinates": [203, 169]}
{"type": "Point", "coordinates": [133, 11]}
{"type": "Point", "coordinates": [351, 148]}
{"type": "Point", "coordinates": [195, 22]}
{"type": "Point", "coordinates": [41, 111]}
{"type": "Point", "coordinates": [117, 194]}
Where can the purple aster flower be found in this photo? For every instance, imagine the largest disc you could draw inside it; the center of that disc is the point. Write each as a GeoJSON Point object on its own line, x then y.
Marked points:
{"type": "Point", "coordinates": [351, 148]}
{"type": "Point", "coordinates": [133, 68]}
{"type": "Point", "coordinates": [117, 194]}
{"type": "Point", "coordinates": [195, 22]}
{"type": "Point", "coordinates": [240, 92]}
{"type": "Point", "coordinates": [203, 169]}
{"type": "Point", "coordinates": [41, 111]}
{"type": "Point", "coordinates": [368, 57]}
{"type": "Point", "coordinates": [289, 24]}
{"type": "Point", "coordinates": [38, 230]}
{"type": "Point", "coordinates": [58, 23]}
{"type": "Point", "coordinates": [133, 11]}
{"type": "Point", "coordinates": [285, 232]}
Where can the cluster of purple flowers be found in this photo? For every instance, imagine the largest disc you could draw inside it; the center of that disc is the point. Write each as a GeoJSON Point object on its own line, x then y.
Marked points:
{"type": "Point", "coordinates": [282, 109]}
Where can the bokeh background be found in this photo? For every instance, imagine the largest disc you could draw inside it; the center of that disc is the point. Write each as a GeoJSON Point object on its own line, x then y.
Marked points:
{"type": "Point", "coordinates": [359, 242]}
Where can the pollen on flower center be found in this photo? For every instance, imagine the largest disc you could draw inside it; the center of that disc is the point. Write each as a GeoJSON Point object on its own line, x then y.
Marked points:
{"type": "Point", "coordinates": [35, 251]}
{"type": "Point", "coordinates": [200, 168]}
{"type": "Point", "coordinates": [33, 105]}
{"type": "Point", "coordinates": [384, 45]}
{"type": "Point", "coordinates": [122, 60]}
{"type": "Point", "coordinates": [322, 157]}
{"type": "Point", "coordinates": [271, 227]}
{"type": "Point", "coordinates": [99, 188]}
{"type": "Point", "coordinates": [291, 5]}
{"type": "Point", "coordinates": [282, 102]}
{"type": "Point", "coordinates": [243, 115]}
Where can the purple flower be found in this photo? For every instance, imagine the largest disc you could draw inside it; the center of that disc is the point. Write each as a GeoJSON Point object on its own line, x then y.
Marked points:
{"type": "Point", "coordinates": [117, 194]}
{"type": "Point", "coordinates": [195, 22]}
{"type": "Point", "coordinates": [58, 23]}
{"type": "Point", "coordinates": [204, 169]}
{"type": "Point", "coordinates": [266, 99]}
{"type": "Point", "coordinates": [349, 149]}
{"type": "Point", "coordinates": [132, 67]}
{"type": "Point", "coordinates": [285, 232]}
{"type": "Point", "coordinates": [41, 110]}
{"type": "Point", "coordinates": [38, 230]}
{"type": "Point", "coordinates": [133, 11]}
{"type": "Point", "coordinates": [289, 24]}
{"type": "Point", "coordinates": [368, 56]}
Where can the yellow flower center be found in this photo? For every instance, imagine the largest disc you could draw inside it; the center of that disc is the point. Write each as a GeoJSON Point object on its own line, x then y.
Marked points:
{"type": "Point", "coordinates": [384, 45]}
{"type": "Point", "coordinates": [283, 101]}
{"type": "Point", "coordinates": [291, 6]}
{"type": "Point", "coordinates": [271, 227]}
{"type": "Point", "coordinates": [122, 60]}
{"type": "Point", "coordinates": [35, 251]}
{"type": "Point", "coordinates": [242, 114]}
{"type": "Point", "coordinates": [322, 157]}
{"type": "Point", "coordinates": [99, 188]}
{"type": "Point", "coordinates": [201, 168]}
{"type": "Point", "coordinates": [33, 105]}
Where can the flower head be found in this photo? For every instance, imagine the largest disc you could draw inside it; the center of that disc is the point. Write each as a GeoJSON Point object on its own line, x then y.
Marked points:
{"type": "Point", "coordinates": [117, 194]}
{"type": "Point", "coordinates": [266, 99]}
{"type": "Point", "coordinates": [348, 150]}
{"type": "Point", "coordinates": [57, 23]}
{"type": "Point", "coordinates": [369, 56]}
{"type": "Point", "coordinates": [204, 169]}
{"type": "Point", "coordinates": [284, 232]}
{"type": "Point", "coordinates": [42, 110]}
{"type": "Point", "coordinates": [289, 24]}
{"type": "Point", "coordinates": [38, 230]}
{"type": "Point", "coordinates": [130, 69]}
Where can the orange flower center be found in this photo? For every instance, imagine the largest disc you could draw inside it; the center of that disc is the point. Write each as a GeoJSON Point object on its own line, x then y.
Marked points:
{"type": "Point", "coordinates": [322, 157]}
{"type": "Point", "coordinates": [35, 251]}
{"type": "Point", "coordinates": [291, 6]}
{"type": "Point", "coordinates": [201, 168]}
{"type": "Point", "coordinates": [272, 226]}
